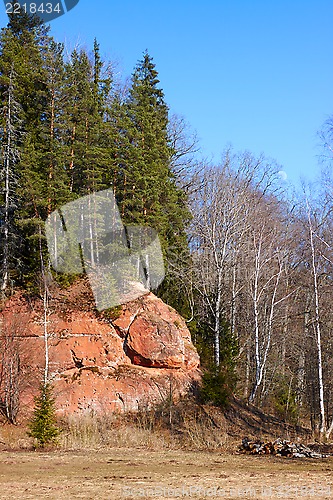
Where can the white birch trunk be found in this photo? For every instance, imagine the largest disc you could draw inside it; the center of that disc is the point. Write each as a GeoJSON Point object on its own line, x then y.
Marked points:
{"type": "Point", "coordinates": [218, 320]}
{"type": "Point", "coordinates": [262, 350]}
{"type": "Point", "coordinates": [46, 336]}
{"type": "Point", "coordinates": [317, 329]}
{"type": "Point", "coordinates": [256, 325]}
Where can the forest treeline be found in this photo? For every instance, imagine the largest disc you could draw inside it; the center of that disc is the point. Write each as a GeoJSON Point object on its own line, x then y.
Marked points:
{"type": "Point", "coordinates": [247, 265]}
{"type": "Point", "coordinates": [69, 130]}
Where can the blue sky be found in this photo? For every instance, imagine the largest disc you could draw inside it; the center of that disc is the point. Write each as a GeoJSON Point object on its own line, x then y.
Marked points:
{"type": "Point", "coordinates": [257, 74]}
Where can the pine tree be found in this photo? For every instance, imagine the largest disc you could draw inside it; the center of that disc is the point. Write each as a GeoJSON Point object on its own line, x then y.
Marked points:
{"type": "Point", "coordinates": [44, 180]}
{"type": "Point", "coordinates": [119, 147]}
{"type": "Point", "coordinates": [86, 93]}
{"type": "Point", "coordinates": [43, 424]}
{"type": "Point", "coordinates": [53, 130]}
{"type": "Point", "coordinates": [78, 138]}
{"type": "Point", "coordinates": [36, 60]}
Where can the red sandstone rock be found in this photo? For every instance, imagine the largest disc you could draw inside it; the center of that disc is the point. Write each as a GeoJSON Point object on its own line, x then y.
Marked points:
{"type": "Point", "coordinates": [155, 343]}
{"type": "Point", "coordinates": [99, 364]}
{"type": "Point", "coordinates": [157, 335]}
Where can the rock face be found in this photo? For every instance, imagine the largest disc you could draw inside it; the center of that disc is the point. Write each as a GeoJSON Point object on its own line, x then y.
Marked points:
{"type": "Point", "coordinates": [101, 364]}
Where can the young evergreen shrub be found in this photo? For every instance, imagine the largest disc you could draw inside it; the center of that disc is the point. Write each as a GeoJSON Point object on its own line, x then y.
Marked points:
{"type": "Point", "coordinates": [218, 383]}
{"type": "Point", "coordinates": [285, 402]}
{"type": "Point", "coordinates": [43, 424]}
{"type": "Point", "coordinates": [215, 388]}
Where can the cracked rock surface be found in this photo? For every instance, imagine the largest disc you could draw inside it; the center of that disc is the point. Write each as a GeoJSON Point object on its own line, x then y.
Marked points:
{"type": "Point", "coordinates": [101, 362]}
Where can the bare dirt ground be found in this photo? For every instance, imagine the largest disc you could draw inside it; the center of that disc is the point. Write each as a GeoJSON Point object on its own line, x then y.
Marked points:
{"type": "Point", "coordinates": [133, 473]}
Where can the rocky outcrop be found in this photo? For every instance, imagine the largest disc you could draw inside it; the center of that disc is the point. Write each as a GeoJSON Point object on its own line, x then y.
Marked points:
{"type": "Point", "coordinates": [134, 357]}
{"type": "Point", "coordinates": [156, 336]}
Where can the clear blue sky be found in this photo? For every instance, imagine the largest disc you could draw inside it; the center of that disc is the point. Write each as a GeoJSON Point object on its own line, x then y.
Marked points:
{"type": "Point", "coordinates": [254, 73]}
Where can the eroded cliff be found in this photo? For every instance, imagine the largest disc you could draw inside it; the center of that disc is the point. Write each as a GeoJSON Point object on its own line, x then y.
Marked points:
{"type": "Point", "coordinates": [131, 358]}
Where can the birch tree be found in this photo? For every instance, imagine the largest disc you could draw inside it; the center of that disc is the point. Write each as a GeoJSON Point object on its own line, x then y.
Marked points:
{"type": "Point", "coordinates": [320, 260]}
{"type": "Point", "coordinates": [219, 234]}
{"type": "Point", "coordinates": [264, 285]}
{"type": "Point", "coordinates": [317, 328]}
{"type": "Point", "coordinates": [13, 327]}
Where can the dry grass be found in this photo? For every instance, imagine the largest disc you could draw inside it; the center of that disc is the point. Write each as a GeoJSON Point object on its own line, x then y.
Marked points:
{"type": "Point", "coordinates": [176, 451]}
{"type": "Point", "coordinates": [186, 425]}
{"type": "Point", "coordinates": [14, 437]}
{"type": "Point", "coordinates": [138, 473]}
{"type": "Point", "coordinates": [182, 429]}
{"type": "Point", "coordinates": [89, 432]}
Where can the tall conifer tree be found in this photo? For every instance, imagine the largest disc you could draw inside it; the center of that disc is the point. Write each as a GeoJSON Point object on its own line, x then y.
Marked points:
{"type": "Point", "coordinates": [10, 138]}
{"type": "Point", "coordinates": [150, 194]}
{"type": "Point", "coordinates": [21, 93]}
{"type": "Point", "coordinates": [30, 53]}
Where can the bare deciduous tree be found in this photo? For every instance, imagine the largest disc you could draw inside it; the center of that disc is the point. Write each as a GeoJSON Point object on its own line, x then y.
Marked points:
{"type": "Point", "coordinates": [12, 381]}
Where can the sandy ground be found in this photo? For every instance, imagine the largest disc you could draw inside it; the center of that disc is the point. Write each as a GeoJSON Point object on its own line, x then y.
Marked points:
{"type": "Point", "coordinates": [120, 474]}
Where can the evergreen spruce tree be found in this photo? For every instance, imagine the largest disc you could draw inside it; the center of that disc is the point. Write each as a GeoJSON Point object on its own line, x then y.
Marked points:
{"type": "Point", "coordinates": [43, 426]}
{"type": "Point", "coordinates": [20, 22]}
{"type": "Point", "coordinates": [147, 172]}
{"type": "Point", "coordinates": [146, 188]}
{"type": "Point", "coordinates": [102, 82]}
{"type": "Point", "coordinates": [76, 117]}
{"type": "Point", "coordinates": [99, 151]}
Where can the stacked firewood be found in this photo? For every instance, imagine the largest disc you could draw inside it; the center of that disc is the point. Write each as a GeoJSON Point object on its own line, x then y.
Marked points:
{"type": "Point", "coordinates": [280, 448]}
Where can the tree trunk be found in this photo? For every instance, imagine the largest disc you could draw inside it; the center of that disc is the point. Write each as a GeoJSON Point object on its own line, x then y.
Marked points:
{"type": "Point", "coordinates": [317, 329]}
